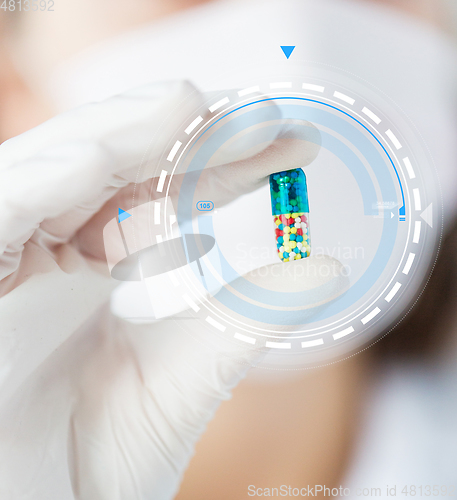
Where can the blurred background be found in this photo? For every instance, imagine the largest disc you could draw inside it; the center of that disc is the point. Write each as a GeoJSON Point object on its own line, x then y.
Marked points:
{"type": "Point", "coordinates": [385, 416]}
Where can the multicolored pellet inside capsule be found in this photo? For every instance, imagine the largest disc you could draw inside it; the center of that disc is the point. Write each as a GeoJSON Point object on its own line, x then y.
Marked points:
{"type": "Point", "coordinates": [289, 203]}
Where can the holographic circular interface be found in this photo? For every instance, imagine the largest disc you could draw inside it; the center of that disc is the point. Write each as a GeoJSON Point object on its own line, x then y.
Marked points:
{"type": "Point", "coordinates": [374, 209]}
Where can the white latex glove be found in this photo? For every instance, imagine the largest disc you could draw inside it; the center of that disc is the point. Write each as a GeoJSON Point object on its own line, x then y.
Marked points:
{"type": "Point", "coordinates": [92, 407]}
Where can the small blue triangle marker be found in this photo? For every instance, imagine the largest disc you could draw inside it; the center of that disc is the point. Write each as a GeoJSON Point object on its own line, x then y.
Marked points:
{"type": "Point", "coordinates": [287, 49]}
{"type": "Point", "coordinates": [123, 215]}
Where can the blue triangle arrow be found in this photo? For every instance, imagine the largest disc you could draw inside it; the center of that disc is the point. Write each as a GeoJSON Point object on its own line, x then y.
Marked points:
{"type": "Point", "coordinates": [123, 215]}
{"type": "Point", "coordinates": [287, 49]}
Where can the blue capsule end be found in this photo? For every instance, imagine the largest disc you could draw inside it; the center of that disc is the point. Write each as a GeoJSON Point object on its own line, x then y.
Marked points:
{"type": "Point", "coordinates": [289, 192]}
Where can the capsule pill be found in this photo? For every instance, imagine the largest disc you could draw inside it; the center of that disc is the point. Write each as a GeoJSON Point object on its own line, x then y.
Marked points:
{"type": "Point", "coordinates": [289, 203]}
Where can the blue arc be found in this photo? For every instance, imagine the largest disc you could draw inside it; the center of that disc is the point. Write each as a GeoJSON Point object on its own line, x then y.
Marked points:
{"type": "Point", "coordinates": [402, 208]}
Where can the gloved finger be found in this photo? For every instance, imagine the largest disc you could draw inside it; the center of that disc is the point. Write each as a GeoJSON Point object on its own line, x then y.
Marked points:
{"type": "Point", "coordinates": [56, 176]}
{"type": "Point", "coordinates": [135, 394]}
{"type": "Point", "coordinates": [296, 145]}
{"type": "Point", "coordinates": [186, 367]}
{"type": "Point", "coordinates": [81, 158]}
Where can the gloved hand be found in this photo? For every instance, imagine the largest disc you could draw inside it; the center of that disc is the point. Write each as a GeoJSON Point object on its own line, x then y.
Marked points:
{"type": "Point", "coordinates": [93, 407]}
